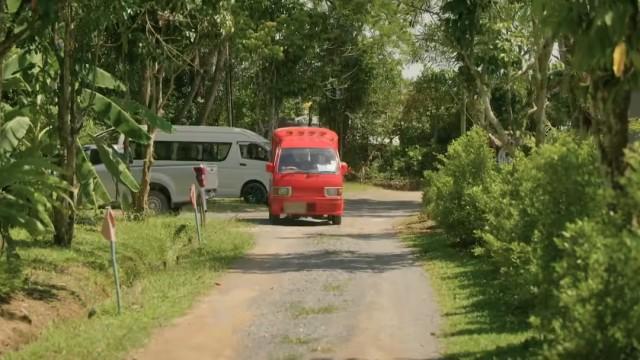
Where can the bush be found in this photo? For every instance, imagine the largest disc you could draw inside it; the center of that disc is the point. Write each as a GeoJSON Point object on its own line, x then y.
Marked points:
{"type": "Point", "coordinates": [531, 204]}
{"type": "Point", "coordinates": [455, 194]}
{"type": "Point", "coordinates": [594, 313]}
{"type": "Point", "coordinates": [566, 246]}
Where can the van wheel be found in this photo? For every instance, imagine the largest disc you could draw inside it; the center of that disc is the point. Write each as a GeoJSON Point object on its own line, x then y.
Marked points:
{"type": "Point", "coordinates": [336, 220]}
{"type": "Point", "coordinates": [254, 193]}
{"type": "Point", "coordinates": [158, 203]}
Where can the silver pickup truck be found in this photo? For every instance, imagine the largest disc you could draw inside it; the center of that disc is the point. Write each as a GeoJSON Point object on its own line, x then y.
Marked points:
{"type": "Point", "coordinates": [170, 181]}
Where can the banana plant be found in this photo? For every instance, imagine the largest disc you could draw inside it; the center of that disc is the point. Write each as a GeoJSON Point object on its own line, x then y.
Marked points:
{"type": "Point", "coordinates": [29, 183]}
{"type": "Point", "coordinates": [119, 114]}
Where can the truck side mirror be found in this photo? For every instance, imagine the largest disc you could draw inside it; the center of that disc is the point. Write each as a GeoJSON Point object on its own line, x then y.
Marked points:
{"type": "Point", "coordinates": [270, 167]}
{"type": "Point", "coordinates": [344, 168]}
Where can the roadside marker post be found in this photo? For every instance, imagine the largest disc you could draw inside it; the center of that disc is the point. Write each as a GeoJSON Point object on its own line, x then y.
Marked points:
{"type": "Point", "coordinates": [194, 203]}
{"type": "Point", "coordinates": [109, 233]}
{"type": "Point", "coordinates": [201, 178]}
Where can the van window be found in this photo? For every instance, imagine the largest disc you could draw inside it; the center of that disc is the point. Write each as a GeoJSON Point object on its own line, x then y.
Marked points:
{"type": "Point", "coordinates": [252, 151]}
{"type": "Point", "coordinates": [184, 151]}
{"type": "Point", "coordinates": [94, 156]}
{"type": "Point", "coordinates": [216, 151]}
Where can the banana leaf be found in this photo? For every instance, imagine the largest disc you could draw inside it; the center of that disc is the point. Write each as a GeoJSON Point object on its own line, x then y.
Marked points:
{"type": "Point", "coordinates": [92, 189]}
{"type": "Point", "coordinates": [21, 60]}
{"type": "Point", "coordinates": [116, 166]}
{"type": "Point", "coordinates": [109, 111]}
{"type": "Point", "coordinates": [14, 83]}
{"type": "Point", "coordinates": [103, 79]}
{"type": "Point", "coordinates": [12, 132]}
{"type": "Point", "coordinates": [137, 109]}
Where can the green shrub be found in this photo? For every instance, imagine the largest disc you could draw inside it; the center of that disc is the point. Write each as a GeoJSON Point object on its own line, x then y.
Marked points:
{"type": "Point", "coordinates": [455, 194]}
{"type": "Point", "coordinates": [531, 205]}
{"type": "Point", "coordinates": [595, 312]}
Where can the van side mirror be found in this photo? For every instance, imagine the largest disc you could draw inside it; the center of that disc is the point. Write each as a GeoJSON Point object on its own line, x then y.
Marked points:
{"type": "Point", "coordinates": [270, 167]}
{"type": "Point", "coordinates": [344, 168]}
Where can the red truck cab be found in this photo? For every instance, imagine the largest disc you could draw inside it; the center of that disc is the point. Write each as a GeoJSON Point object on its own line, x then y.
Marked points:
{"type": "Point", "coordinates": [307, 175]}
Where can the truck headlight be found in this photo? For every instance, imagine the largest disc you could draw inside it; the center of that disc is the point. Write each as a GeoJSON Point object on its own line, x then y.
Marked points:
{"type": "Point", "coordinates": [333, 191]}
{"type": "Point", "coordinates": [281, 190]}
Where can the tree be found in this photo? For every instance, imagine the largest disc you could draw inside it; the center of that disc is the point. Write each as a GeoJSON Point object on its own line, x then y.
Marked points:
{"type": "Point", "coordinates": [602, 38]}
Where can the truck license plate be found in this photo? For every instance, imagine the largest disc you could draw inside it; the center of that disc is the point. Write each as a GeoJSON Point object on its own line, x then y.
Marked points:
{"type": "Point", "coordinates": [295, 208]}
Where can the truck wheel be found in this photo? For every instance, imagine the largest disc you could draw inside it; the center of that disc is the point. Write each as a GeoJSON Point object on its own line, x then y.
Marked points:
{"type": "Point", "coordinates": [336, 220]}
{"type": "Point", "coordinates": [158, 203]}
{"type": "Point", "coordinates": [274, 219]}
{"type": "Point", "coordinates": [254, 193]}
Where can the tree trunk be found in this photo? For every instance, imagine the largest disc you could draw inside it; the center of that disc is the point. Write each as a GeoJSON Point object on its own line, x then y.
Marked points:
{"type": "Point", "coordinates": [229, 86]}
{"type": "Point", "coordinates": [611, 104]}
{"type": "Point", "coordinates": [463, 113]}
{"type": "Point", "coordinates": [541, 83]}
{"type": "Point", "coordinates": [64, 216]}
{"type": "Point", "coordinates": [1, 74]}
{"type": "Point", "coordinates": [203, 71]}
{"type": "Point", "coordinates": [484, 94]}
{"type": "Point", "coordinates": [221, 58]}
{"type": "Point", "coordinates": [141, 202]}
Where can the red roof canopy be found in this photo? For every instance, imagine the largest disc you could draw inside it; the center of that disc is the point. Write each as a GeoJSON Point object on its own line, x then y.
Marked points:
{"type": "Point", "coordinates": [305, 137]}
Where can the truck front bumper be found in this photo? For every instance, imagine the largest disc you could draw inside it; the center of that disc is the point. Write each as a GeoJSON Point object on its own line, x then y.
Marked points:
{"type": "Point", "coordinates": [322, 206]}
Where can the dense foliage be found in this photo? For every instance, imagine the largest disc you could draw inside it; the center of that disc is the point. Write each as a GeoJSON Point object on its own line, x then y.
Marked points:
{"type": "Point", "coordinates": [565, 254]}
{"type": "Point", "coordinates": [456, 193]}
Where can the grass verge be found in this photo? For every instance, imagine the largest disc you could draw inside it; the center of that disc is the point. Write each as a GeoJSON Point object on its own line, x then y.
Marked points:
{"type": "Point", "coordinates": [356, 187]}
{"type": "Point", "coordinates": [475, 324]}
{"type": "Point", "coordinates": [233, 206]}
{"type": "Point", "coordinates": [163, 270]}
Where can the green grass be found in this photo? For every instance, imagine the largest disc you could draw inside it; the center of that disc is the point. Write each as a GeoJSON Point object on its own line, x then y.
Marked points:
{"type": "Point", "coordinates": [233, 205]}
{"type": "Point", "coordinates": [297, 340]}
{"type": "Point", "coordinates": [163, 270]}
{"type": "Point", "coordinates": [475, 322]}
{"type": "Point", "coordinates": [355, 187]}
{"type": "Point", "coordinates": [335, 287]}
{"type": "Point", "coordinates": [299, 311]}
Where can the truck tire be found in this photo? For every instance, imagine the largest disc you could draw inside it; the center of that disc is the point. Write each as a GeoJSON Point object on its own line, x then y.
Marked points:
{"type": "Point", "coordinates": [254, 193]}
{"type": "Point", "coordinates": [336, 220]}
{"type": "Point", "coordinates": [158, 202]}
{"type": "Point", "coordinates": [274, 219]}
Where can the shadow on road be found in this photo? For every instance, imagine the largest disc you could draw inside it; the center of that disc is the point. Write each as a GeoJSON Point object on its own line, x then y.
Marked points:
{"type": "Point", "coordinates": [375, 209]}
{"type": "Point", "coordinates": [348, 261]}
{"type": "Point", "coordinates": [380, 208]}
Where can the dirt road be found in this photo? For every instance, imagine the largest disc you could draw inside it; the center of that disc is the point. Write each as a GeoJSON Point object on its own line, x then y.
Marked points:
{"type": "Point", "coordinates": [314, 291]}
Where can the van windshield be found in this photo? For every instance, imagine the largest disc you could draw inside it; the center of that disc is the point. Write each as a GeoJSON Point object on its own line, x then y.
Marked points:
{"type": "Point", "coordinates": [308, 160]}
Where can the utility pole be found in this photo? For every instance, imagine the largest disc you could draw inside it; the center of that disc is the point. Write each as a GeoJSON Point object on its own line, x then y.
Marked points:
{"type": "Point", "coordinates": [229, 84]}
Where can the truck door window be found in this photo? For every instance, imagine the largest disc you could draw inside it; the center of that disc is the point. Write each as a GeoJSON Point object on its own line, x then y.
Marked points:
{"type": "Point", "coordinates": [253, 151]}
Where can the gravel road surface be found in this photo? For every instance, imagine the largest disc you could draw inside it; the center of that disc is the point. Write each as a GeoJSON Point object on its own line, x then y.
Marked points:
{"type": "Point", "coordinates": [309, 290]}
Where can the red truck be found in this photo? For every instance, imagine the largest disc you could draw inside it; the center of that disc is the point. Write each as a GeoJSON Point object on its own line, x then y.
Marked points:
{"type": "Point", "coordinates": [307, 175]}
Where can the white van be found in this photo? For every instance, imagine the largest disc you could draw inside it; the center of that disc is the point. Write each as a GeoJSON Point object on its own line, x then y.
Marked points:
{"type": "Point", "coordinates": [240, 156]}
{"type": "Point", "coordinates": [170, 181]}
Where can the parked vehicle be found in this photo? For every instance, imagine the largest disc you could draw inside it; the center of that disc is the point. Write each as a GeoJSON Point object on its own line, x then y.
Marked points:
{"type": "Point", "coordinates": [170, 181]}
{"type": "Point", "coordinates": [307, 174]}
{"type": "Point", "coordinates": [239, 154]}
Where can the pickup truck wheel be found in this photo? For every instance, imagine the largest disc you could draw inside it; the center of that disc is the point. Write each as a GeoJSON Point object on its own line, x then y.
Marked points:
{"type": "Point", "coordinates": [336, 220]}
{"type": "Point", "coordinates": [254, 193]}
{"type": "Point", "coordinates": [158, 203]}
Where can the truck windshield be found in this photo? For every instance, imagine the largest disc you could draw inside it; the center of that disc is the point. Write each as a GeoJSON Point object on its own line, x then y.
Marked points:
{"type": "Point", "coordinates": [308, 160]}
